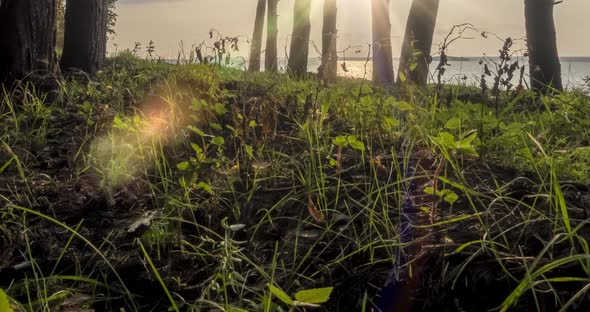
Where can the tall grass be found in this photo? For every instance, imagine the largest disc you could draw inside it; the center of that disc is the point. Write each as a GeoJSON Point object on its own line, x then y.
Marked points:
{"type": "Point", "coordinates": [238, 187]}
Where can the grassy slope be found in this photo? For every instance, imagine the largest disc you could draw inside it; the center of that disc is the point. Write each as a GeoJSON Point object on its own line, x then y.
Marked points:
{"type": "Point", "coordinates": [199, 186]}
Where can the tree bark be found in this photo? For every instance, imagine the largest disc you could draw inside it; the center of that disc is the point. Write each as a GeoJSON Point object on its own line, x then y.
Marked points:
{"type": "Point", "coordinates": [329, 68]}
{"type": "Point", "coordinates": [60, 25]}
{"type": "Point", "coordinates": [300, 38]}
{"type": "Point", "coordinates": [85, 35]}
{"type": "Point", "coordinates": [418, 38]}
{"type": "Point", "coordinates": [382, 55]}
{"type": "Point", "coordinates": [544, 65]}
{"type": "Point", "coordinates": [256, 46]}
{"type": "Point", "coordinates": [270, 59]}
{"type": "Point", "coordinates": [27, 40]}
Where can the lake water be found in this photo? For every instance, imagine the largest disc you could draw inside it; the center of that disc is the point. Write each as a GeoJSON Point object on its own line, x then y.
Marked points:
{"type": "Point", "coordinates": [573, 70]}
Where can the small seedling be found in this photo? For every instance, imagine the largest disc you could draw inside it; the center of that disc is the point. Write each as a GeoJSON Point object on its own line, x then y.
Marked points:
{"type": "Point", "coordinates": [312, 298]}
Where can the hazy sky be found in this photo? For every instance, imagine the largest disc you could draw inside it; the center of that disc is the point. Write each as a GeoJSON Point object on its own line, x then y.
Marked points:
{"type": "Point", "coordinates": [167, 22]}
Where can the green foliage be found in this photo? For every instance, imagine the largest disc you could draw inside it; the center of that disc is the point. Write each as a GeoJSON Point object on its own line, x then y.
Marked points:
{"type": "Point", "coordinates": [308, 297]}
{"type": "Point", "coordinates": [446, 195]}
{"type": "Point", "coordinates": [252, 161]}
{"type": "Point", "coordinates": [349, 140]}
{"type": "Point", "coordinates": [316, 295]}
{"type": "Point", "coordinates": [463, 147]}
{"type": "Point", "coordinates": [4, 302]}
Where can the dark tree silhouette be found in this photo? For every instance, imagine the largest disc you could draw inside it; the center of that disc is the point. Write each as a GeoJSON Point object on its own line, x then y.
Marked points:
{"type": "Point", "coordinates": [85, 35]}
{"type": "Point", "coordinates": [328, 69]}
{"type": "Point", "coordinates": [27, 39]}
{"type": "Point", "coordinates": [300, 38]}
{"type": "Point", "coordinates": [382, 55]}
{"type": "Point", "coordinates": [415, 57]}
{"type": "Point", "coordinates": [256, 45]}
{"type": "Point", "coordinates": [544, 66]}
{"type": "Point", "coordinates": [270, 58]}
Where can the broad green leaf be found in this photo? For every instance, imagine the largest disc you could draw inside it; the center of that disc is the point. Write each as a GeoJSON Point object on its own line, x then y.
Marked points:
{"type": "Point", "coordinates": [453, 124]}
{"type": "Point", "coordinates": [340, 141]}
{"type": "Point", "coordinates": [402, 76]}
{"type": "Point", "coordinates": [249, 151]}
{"type": "Point", "coordinates": [215, 126]}
{"type": "Point", "coordinates": [220, 109]}
{"type": "Point", "coordinates": [354, 142]}
{"type": "Point", "coordinates": [391, 122]}
{"type": "Point", "coordinates": [183, 166]}
{"type": "Point", "coordinates": [366, 101]}
{"type": "Point", "coordinates": [205, 187]}
{"type": "Point", "coordinates": [429, 190]}
{"type": "Point", "coordinates": [119, 124]}
{"type": "Point", "coordinates": [358, 146]}
{"type": "Point", "coordinates": [467, 150]}
{"type": "Point", "coordinates": [451, 197]}
{"type": "Point", "coordinates": [4, 302]}
{"type": "Point", "coordinates": [197, 104]}
{"type": "Point", "coordinates": [333, 162]}
{"type": "Point", "coordinates": [252, 124]}
{"type": "Point", "coordinates": [352, 138]}
{"type": "Point", "coordinates": [219, 141]}
{"type": "Point", "coordinates": [467, 140]}
{"type": "Point", "coordinates": [281, 295]}
{"type": "Point", "coordinates": [197, 131]}
{"type": "Point", "coordinates": [316, 295]}
{"type": "Point", "coordinates": [413, 66]}
{"type": "Point", "coordinates": [390, 100]}
{"type": "Point", "coordinates": [196, 148]}
{"type": "Point", "coordinates": [447, 140]}
{"type": "Point", "coordinates": [403, 106]}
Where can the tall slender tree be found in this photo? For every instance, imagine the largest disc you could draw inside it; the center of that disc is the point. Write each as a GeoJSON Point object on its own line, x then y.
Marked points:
{"type": "Point", "coordinates": [329, 68]}
{"type": "Point", "coordinates": [415, 57]}
{"type": "Point", "coordinates": [27, 39]}
{"type": "Point", "coordinates": [256, 45]}
{"type": "Point", "coordinates": [271, 62]}
{"type": "Point", "coordinates": [300, 38]}
{"type": "Point", "coordinates": [544, 66]}
{"type": "Point", "coordinates": [85, 35]}
{"type": "Point", "coordinates": [382, 55]}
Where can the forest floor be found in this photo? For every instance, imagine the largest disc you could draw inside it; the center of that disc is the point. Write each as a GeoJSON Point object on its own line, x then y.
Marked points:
{"type": "Point", "coordinates": [200, 188]}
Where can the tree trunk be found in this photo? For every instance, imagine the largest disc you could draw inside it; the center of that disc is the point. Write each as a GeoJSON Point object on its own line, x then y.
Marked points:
{"type": "Point", "coordinates": [329, 68]}
{"type": "Point", "coordinates": [382, 55]}
{"type": "Point", "coordinates": [300, 38]}
{"type": "Point", "coordinates": [60, 25]}
{"type": "Point", "coordinates": [85, 35]}
{"type": "Point", "coordinates": [544, 66]}
{"type": "Point", "coordinates": [256, 47]}
{"type": "Point", "coordinates": [27, 40]}
{"type": "Point", "coordinates": [415, 57]}
{"type": "Point", "coordinates": [270, 59]}
{"type": "Point", "coordinates": [108, 6]}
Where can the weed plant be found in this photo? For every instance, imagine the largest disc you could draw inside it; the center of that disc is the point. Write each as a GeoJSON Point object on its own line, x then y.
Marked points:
{"type": "Point", "coordinates": [204, 188]}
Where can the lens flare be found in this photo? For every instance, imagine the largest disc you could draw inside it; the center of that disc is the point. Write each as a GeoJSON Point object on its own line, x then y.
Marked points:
{"type": "Point", "coordinates": [133, 142]}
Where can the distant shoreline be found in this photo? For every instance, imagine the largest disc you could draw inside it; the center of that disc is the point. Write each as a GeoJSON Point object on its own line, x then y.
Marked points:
{"type": "Point", "coordinates": [568, 59]}
{"type": "Point", "coordinates": [565, 59]}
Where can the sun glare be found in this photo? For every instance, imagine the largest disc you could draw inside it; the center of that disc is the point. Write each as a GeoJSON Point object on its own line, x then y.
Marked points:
{"type": "Point", "coordinates": [133, 142]}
